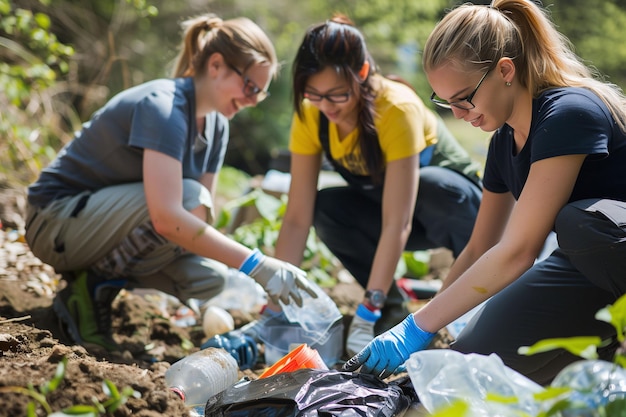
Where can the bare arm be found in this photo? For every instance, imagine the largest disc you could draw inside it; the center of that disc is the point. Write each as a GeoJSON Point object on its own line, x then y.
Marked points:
{"type": "Point", "coordinates": [491, 220]}
{"type": "Point", "coordinates": [299, 214]}
{"type": "Point", "coordinates": [163, 187]}
{"type": "Point", "coordinates": [400, 192]}
{"type": "Point", "coordinates": [547, 190]}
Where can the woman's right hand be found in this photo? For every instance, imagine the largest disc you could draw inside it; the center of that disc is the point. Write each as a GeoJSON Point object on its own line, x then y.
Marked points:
{"type": "Point", "coordinates": [281, 280]}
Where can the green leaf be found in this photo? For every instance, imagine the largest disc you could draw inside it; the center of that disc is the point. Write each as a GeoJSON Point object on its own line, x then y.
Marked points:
{"type": "Point", "coordinates": [620, 359]}
{"type": "Point", "coordinates": [417, 263]}
{"type": "Point", "coordinates": [616, 315]}
{"type": "Point", "coordinates": [110, 389]}
{"type": "Point", "coordinates": [616, 408]}
{"type": "Point", "coordinates": [223, 219]}
{"type": "Point", "coordinates": [58, 376]}
{"type": "Point", "coordinates": [78, 410]}
{"type": "Point", "coordinates": [584, 346]}
{"type": "Point", "coordinates": [5, 7]}
{"type": "Point", "coordinates": [43, 20]}
{"type": "Point", "coordinates": [268, 206]}
{"type": "Point", "coordinates": [31, 409]}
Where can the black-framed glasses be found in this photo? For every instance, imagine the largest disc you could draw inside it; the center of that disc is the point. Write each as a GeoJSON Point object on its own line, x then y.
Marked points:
{"type": "Point", "coordinates": [250, 89]}
{"type": "Point", "coordinates": [463, 104]}
{"type": "Point", "coordinates": [333, 98]}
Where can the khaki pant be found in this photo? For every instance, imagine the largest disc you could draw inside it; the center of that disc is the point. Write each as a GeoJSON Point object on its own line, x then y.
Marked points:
{"type": "Point", "coordinates": [110, 232]}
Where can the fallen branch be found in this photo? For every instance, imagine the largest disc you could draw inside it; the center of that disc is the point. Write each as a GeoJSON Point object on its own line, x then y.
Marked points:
{"type": "Point", "coordinates": [15, 319]}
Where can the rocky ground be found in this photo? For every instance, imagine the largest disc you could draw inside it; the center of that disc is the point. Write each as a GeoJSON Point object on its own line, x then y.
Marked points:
{"type": "Point", "coordinates": [32, 344]}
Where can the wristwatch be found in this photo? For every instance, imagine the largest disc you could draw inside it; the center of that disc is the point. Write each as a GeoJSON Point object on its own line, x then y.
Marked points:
{"type": "Point", "coordinates": [375, 298]}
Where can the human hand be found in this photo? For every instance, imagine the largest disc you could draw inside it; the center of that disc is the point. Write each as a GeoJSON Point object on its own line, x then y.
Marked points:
{"type": "Point", "coordinates": [361, 330]}
{"type": "Point", "coordinates": [281, 280]}
{"type": "Point", "coordinates": [386, 354]}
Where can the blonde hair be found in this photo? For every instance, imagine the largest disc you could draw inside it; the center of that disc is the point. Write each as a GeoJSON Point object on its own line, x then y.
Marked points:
{"type": "Point", "coordinates": [240, 41]}
{"type": "Point", "coordinates": [478, 36]}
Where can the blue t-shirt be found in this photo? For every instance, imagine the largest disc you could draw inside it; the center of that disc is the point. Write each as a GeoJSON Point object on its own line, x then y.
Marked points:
{"type": "Point", "coordinates": [108, 150]}
{"type": "Point", "coordinates": [565, 121]}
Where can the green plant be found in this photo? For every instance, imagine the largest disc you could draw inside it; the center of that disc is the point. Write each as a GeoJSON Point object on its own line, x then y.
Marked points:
{"type": "Point", "coordinates": [414, 264]}
{"type": "Point", "coordinates": [262, 232]}
{"type": "Point", "coordinates": [586, 348]}
{"type": "Point", "coordinates": [32, 60]}
{"type": "Point", "coordinates": [113, 402]}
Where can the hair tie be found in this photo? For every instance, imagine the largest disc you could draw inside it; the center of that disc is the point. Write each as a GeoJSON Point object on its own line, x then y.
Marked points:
{"type": "Point", "coordinates": [364, 71]}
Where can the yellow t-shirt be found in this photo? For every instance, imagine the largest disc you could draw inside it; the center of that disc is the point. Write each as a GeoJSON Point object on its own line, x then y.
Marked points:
{"type": "Point", "coordinates": [404, 124]}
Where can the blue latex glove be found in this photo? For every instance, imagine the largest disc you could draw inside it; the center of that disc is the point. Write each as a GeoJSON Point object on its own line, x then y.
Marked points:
{"type": "Point", "coordinates": [240, 346]}
{"type": "Point", "coordinates": [387, 353]}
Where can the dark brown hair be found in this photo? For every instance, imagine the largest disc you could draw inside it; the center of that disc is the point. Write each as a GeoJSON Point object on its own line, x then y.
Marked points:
{"type": "Point", "coordinates": [338, 44]}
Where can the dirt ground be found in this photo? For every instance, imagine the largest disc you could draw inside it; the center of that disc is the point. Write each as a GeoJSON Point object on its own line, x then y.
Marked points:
{"type": "Point", "coordinates": [32, 343]}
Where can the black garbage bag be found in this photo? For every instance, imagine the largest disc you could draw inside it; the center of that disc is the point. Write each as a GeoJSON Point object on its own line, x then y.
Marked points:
{"type": "Point", "coordinates": [314, 393]}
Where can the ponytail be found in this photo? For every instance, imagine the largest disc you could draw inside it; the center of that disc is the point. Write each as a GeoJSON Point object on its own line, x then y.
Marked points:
{"type": "Point", "coordinates": [241, 42]}
{"type": "Point", "coordinates": [478, 36]}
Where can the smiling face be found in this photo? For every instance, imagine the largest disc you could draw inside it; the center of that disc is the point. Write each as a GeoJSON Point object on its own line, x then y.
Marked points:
{"type": "Point", "coordinates": [234, 92]}
{"type": "Point", "coordinates": [227, 89]}
{"type": "Point", "coordinates": [492, 106]}
{"type": "Point", "coordinates": [331, 92]}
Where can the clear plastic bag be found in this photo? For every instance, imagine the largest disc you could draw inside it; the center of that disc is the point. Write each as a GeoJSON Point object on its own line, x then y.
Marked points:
{"type": "Point", "coordinates": [316, 316]}
{"type": "Point", "coordinates": [442, 376]}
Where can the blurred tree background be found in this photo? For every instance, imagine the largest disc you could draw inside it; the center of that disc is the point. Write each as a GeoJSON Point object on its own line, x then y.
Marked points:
{"type": "Point", "coordinates": [62, 59]}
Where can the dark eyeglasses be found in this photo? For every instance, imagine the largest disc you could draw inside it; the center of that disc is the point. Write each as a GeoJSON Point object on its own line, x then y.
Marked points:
{"type": "Point", "coordinates": [333, 98]}
{"type": "Point", "coordinates": [250, 89]}
{"type": "Point", "coordinates": [463, 104]}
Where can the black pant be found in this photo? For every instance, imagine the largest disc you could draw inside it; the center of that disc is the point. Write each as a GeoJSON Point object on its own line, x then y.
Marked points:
{"type": "Point", "coordinates": [349, 220]}
{"type": "Point", "coordinates": [559, 296]}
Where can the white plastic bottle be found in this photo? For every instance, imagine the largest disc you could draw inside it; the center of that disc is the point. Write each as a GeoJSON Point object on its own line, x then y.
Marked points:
{"type": "Point", "coordinates": [199, 376]}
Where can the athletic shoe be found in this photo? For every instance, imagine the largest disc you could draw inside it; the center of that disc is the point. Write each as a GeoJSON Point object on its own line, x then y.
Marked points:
{"type": "Point", "coordinates": [84, 308]}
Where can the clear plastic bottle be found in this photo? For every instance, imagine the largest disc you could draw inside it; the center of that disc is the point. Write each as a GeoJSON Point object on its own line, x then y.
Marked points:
{"type": "Point", "coordinates": [201, 375]}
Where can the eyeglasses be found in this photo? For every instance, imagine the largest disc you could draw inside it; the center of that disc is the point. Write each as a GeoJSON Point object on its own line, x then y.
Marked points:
{"type": "Point", "coordinates": [250, 89]}
{"type": "Point", "coordinates": [463, 104]}
{"type": "Point", "coordinates": [333, 98]}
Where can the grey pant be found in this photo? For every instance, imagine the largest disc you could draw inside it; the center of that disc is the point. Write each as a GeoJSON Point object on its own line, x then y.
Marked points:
{"type": "Point", "coordinates": [559, 296]}
{"type": "Point", "coordinates": [110, 232]}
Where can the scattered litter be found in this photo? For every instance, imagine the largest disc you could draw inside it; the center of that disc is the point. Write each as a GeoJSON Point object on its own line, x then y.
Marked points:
{"type": "Point", "coordinates": [216, 320]}
{"type": "Point", "coordinates": [312, 393]}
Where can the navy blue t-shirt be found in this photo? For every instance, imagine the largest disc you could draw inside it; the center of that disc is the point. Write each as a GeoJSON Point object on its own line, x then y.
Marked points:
{"type": "Point", "coordinates": [565, 121]}
{"type": "Point", "coordinates": [108, 150]}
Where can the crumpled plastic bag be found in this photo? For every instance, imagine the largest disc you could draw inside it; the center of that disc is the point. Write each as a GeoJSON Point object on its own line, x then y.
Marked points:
{"type": "Point", "coordinates": [442, 376]}
{"type": "Point", "coordinates": [313, 393]}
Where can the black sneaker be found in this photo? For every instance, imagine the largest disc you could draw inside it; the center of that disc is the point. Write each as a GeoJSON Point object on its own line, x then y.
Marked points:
{"type": "Point", "coordinates": [84, 307]}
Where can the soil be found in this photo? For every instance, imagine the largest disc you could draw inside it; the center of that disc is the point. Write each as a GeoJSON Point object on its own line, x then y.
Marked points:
{"type": "Point", "coordinates": [32, 344]}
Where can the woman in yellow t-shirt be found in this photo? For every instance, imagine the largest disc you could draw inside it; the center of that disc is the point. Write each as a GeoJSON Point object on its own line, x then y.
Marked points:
{"type": "Point", "coordinates": [376, 132]}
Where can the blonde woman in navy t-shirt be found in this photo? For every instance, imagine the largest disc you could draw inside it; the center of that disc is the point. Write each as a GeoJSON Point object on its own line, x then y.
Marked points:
{"type": "Point", "coordinates": [557, 162]}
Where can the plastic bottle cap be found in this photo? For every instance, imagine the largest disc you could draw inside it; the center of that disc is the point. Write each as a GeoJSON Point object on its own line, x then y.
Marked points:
{"type": "Point", "coordinates": [178, 391]}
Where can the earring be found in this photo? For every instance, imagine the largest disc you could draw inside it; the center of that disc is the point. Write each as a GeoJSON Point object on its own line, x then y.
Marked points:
{"type": "Point", "coordinates": [508, 84]}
